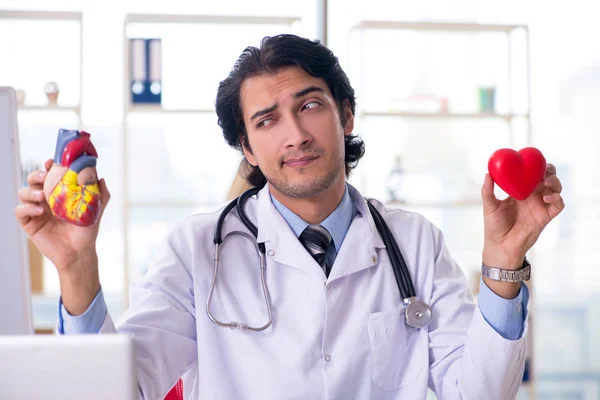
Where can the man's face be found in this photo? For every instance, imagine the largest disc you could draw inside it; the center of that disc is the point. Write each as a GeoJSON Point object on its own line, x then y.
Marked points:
{"type": "Point", "coordinates": [294, 131]}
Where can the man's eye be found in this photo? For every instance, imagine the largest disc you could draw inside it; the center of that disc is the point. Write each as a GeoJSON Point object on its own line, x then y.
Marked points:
{"type": "Point", "coordinates": [264, 122]}
{"type": "Point", "coordinates": [312, 104]}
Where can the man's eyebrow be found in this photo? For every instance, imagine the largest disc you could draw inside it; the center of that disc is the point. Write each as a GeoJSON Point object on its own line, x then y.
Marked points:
{"type": "Point", "coordinates": [299, 94]}
{"type": "Point", "coordinates": [264, 111]}
{"type": "Point", "coordinates": [308, 90]}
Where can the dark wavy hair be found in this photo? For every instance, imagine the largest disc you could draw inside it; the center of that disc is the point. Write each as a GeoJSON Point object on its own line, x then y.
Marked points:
{"type": "Point", "coordinates": [274, 54]}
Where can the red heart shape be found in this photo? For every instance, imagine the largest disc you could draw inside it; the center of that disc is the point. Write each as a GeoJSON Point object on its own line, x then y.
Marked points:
{"type": "Point", "coordinates": [517, 173]}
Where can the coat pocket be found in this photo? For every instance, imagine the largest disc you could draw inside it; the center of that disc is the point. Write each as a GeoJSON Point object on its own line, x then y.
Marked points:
{"type": "Point", "coordinates": [396, 353]}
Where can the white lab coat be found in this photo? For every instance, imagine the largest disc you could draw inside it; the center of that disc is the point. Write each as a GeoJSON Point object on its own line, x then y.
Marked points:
{"type": "Point", "coordinates": [337, 338]}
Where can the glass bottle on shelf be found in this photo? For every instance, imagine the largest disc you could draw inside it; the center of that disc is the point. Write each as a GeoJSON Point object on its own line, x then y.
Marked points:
{"type": "Point", "coordinates": [394, 181]}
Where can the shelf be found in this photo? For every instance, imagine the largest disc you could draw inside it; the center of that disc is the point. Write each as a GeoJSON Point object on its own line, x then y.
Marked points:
{"type": "Point", "coordinates": [75, 109]}
{"type": "Point", "coordinates": [35, 15]}
{"type": "Point", "coordinates": [209, 19]}
{"type": "Point", "coordinates": [405, 114]}
{"type": "Point", "coordinates": [437, 26]}
{"type": "Point", "coordinates": [441, 204]}
{"type": "Point", "coordinates": [159, 109]}
{"type": "Point", "coordinates": [41, 15]}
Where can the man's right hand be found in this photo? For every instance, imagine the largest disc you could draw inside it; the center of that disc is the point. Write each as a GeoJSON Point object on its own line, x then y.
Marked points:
{"type": "Point", "coordinates": [71, 248]}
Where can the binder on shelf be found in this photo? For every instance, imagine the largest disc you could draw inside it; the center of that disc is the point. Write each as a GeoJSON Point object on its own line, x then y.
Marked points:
{"type": "Point", "coordinates": [527, 371]}
{"type": "Point", "coordinates": [145, 79]}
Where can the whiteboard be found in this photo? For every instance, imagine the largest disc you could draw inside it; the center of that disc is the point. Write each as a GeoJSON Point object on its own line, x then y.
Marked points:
{"type": "Point", "coordinates": [15, 287]}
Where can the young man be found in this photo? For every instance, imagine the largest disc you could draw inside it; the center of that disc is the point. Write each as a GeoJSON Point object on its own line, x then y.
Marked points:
{"type": "Point", "coordinates": [338, 329]}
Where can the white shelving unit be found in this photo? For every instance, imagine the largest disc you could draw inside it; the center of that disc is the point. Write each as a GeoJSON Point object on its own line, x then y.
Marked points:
{"type": "Point", "coordinates": [41, 15]}
{"type": "Point", "coordinates": [130, 109]}
{"type": "Point", "coordinates": [75, 109]}
{"type": "Point", "coordinates": [407, 114]}
{"type": "Point", "coordinates": [158, 109]}
{"type": "Point", "coordinates": [26, 15]}
{"type": "Point", "coordinates": [44, 305]}
{"type": "Point", "coordinates": [364, 111]}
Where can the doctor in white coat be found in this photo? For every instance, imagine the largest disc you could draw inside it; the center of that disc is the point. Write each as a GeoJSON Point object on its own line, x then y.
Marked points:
{"type": "Point", "coordinates": [338, 328]}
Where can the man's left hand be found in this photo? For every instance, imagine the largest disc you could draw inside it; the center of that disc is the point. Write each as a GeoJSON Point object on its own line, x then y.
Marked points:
{"type": "Point", "coordinates": [512, 227]}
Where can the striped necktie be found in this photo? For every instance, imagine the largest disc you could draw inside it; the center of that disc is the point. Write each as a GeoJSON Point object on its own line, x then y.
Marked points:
{"type": "Point", "coordinates": [316, 240]}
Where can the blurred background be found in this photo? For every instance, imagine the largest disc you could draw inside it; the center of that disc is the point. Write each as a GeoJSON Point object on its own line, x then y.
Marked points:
{"type": "Point", "coordinates": [440, 86]}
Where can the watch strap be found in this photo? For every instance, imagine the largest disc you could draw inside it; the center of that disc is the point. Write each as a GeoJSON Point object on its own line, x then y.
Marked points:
{"type": "Point", "coordinates": [507, 275]}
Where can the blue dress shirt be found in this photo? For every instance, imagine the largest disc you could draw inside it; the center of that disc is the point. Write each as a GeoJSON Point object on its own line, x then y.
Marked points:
{"type": "Point", "coordinates": [507, 317]}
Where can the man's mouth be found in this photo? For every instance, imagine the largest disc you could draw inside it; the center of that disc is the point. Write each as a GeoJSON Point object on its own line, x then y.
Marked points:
{"type": "Point", "coordinates": [300, 162]}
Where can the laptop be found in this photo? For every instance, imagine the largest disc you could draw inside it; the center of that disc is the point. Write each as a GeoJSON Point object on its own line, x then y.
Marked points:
{"type": "Point", "coordinates": [90, 367]}
{"type": "Point", "coordinates": [15, 292]}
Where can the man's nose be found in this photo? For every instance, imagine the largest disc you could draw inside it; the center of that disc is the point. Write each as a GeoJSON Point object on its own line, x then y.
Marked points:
{"type": "Point", "coordinates": [297, 136]}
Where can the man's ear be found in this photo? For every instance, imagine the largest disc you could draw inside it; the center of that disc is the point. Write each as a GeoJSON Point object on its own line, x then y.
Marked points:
{"type": "Point", "coordinates": [247, 151]}
{"type": "Point", "coordinates": [348, 117]}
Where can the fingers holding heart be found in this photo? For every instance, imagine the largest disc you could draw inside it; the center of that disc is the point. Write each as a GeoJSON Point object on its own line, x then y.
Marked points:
{"type": "Point", "coordinates": [552, 184]}
{"type": "Point", "coordinates": [550, 190]}
{"type": "Point", "coordinates": [48, 164]}
{"type": "Point", "coordinates": [555, 203]}
{"type": "Point", "coordinates": [551, 194]}
{"type": "Point", "coordinates": [550, 170]}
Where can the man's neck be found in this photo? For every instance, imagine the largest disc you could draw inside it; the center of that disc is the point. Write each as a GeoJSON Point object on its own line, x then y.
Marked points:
{"type": "Point", "coordinates": [313, 210]}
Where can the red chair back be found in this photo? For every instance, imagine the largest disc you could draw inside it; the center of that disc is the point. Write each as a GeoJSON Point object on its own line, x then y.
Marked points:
{"type": "Point", "coordinates": [177, 392]}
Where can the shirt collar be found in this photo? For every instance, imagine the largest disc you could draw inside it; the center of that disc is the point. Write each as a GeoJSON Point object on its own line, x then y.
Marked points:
{"type": "Point", "coordinates": [337, 223]}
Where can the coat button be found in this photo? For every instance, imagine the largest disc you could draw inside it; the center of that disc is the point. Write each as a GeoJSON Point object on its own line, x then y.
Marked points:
{"type": "Point", "coordinates": [328, 286]}
{"type": "Point", "coordinates": [271, 253]}
{"type": "Point", "coordinates": [327, 357]}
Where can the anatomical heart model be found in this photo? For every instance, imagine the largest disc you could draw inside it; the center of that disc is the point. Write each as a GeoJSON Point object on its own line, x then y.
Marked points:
{"type": "Point", "coordinates": [71, 186]}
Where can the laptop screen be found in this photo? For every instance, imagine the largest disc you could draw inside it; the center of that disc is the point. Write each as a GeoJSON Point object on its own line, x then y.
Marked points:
{"type": "Point", "coordinates": [15, 289]}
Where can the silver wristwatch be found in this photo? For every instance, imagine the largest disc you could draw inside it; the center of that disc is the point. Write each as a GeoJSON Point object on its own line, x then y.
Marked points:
{"type": "Point", "coordinates": [507, 275]}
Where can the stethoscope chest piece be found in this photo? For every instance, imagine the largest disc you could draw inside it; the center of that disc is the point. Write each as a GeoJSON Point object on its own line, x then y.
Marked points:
{"type": "Point", "coordinates": [417, 314]}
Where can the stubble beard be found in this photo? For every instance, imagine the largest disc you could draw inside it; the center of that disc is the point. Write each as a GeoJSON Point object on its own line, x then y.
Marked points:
{"type": "Point", "coordinates": [311, 187]}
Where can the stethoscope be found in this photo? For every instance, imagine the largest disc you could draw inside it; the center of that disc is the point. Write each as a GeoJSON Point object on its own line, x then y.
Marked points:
{"type": "Point", "coordinates": [417, 313]}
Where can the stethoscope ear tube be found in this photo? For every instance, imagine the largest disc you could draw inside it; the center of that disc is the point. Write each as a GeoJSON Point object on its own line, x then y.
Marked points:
{"type": "Point", "coordinates": [218, 238]}
{"type": "Point", "coordinates": [241, 326]}
{"type": "Point", "coordinates": [403, 267]}
{"type": "Point", "coordinates": [417, 313]}
{"type": "Point", "coordinates": [240, 206]}
{"type": "Point", "coordinates": [398, 264]}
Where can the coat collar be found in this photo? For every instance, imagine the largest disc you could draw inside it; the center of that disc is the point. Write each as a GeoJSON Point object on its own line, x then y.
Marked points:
{"type": "Point", "coordinates": [283, 246]}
